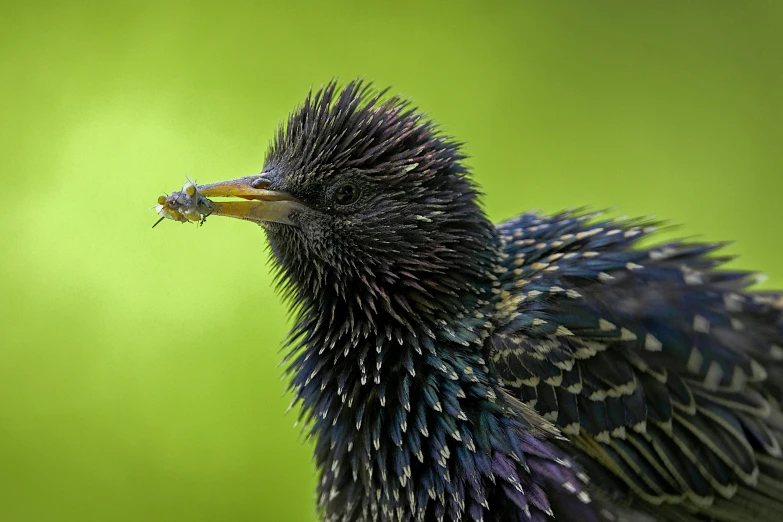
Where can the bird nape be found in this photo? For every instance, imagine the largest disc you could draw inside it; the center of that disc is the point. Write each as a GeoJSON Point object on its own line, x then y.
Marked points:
{"type": "Point", "coordinates": [547, 368]}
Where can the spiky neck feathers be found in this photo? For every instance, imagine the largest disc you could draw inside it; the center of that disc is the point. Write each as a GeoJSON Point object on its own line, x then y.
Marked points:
{"type": "Point", "coordinates": [409, 421]}
{"type": "Point", "coordinates": [411, 425]}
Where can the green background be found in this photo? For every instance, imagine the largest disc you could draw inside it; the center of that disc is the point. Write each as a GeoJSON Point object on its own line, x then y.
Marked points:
{"type": "Point", "coordinates": [138, 367]}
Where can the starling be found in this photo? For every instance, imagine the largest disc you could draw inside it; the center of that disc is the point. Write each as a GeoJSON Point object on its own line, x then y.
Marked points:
{"type": "Point", "coordinates": [546, 368]}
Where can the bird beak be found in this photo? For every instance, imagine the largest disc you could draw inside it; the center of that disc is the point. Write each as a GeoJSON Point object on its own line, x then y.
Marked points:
{"type": "Point", "coordinates": [261, 205]}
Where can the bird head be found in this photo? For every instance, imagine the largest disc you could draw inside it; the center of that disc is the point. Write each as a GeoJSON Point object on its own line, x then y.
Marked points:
{"type": "Point", "coordinates": [362, 198]}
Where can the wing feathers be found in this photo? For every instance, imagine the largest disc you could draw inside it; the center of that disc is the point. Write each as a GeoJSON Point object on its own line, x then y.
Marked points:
{"type": "Point", "coordinates": [657, 365]}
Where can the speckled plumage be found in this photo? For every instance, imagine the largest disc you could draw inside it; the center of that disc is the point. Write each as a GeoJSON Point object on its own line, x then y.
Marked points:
{"type": "Point", "coordinates": [654, 364]}
{"type": "Point", "coordinates": [452, 370]}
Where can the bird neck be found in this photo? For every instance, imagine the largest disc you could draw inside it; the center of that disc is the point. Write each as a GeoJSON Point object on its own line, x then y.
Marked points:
{"type": "Point", "coordinates": [386, 411]}
{"type": "Point", "coordinates": [409, 420]}
{"type": "Point", "coordinates": [343, 357]}
{"type": "Point", "coordinates": [355, 339]}
{"type": "Point", "coordinates": [390, 393]}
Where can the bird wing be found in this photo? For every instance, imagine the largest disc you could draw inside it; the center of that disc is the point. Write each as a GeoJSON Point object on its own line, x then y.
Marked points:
{"type": "Point", "coordinates": [660, 368]}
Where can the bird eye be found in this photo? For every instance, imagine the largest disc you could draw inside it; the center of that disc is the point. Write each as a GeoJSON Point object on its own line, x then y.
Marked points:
{"type": "Point", "coordinates": [346, 194]}
{"type": "Point", "coordinates": [260, 182]}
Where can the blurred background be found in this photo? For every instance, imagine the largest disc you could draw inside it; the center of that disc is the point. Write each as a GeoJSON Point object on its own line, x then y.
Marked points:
{"type": "Point", "coordinates": [138, 367]}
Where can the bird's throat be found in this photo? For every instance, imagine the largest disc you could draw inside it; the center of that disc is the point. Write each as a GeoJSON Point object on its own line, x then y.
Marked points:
{"type": "Point", "coordinates": [391, 408]}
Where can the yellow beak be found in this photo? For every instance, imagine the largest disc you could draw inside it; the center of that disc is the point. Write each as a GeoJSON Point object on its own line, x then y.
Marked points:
{"type": "Point", "coordinates": [261, 205]}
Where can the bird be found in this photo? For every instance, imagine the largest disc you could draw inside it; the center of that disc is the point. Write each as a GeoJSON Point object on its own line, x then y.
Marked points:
{"type": "Point", "coordinates": [552, 367]}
